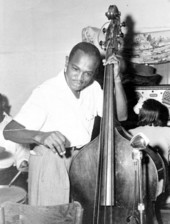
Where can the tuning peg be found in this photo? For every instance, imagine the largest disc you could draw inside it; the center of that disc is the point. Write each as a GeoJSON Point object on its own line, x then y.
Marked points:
{"type": "Point", "coordinates": [101, 43]}
{"type": "Point", "coordinates": [123, 24]}
{"type": "Point", "coordinates": [104, 30]}
{"type": "Point", "coordinates": [121, 35]}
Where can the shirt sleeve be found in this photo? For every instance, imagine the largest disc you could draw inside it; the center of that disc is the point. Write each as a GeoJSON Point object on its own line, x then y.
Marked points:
{"type": "Point", "coordinates": [33, 113]}
{"type": "Point", "coordinates": [22, 153]}
{"type": "Point", "coordinates": [99, 99]}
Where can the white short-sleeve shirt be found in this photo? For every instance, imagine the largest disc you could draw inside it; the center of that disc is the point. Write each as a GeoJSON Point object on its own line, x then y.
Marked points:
{"type": "Point", "coordinates": [53, 107]}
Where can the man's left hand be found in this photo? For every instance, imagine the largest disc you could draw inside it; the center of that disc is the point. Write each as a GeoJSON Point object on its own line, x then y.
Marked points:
{"type": "Point", "coordinates": [23, 166]}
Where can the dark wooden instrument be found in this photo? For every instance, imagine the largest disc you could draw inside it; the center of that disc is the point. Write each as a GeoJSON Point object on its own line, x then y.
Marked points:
{"type": "Point", "coordinates": [103, 174]}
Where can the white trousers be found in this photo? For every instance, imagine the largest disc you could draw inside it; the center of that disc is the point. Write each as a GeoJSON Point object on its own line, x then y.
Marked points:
{"type": "Point", "coordinates": [48, 182]}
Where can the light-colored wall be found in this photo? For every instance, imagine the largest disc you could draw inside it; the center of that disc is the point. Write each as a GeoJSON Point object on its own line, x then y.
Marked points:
{"type": "Point", "coordinates": [36, 35]}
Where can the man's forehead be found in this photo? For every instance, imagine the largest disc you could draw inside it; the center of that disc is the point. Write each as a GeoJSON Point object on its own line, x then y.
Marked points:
{"type": "Point", "coordinates": [82, 53]}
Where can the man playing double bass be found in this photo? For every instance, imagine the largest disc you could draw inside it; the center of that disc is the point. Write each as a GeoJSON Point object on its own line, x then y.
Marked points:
{"type": "Point", "coordinates": [58, 119]}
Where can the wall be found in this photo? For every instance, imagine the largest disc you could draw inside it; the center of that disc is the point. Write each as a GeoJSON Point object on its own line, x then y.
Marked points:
{"type": "Point", "coordinates": [36, 35]}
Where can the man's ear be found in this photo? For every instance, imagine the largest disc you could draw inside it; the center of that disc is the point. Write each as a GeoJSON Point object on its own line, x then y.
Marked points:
{"type": "Point", "coordinates": [66, 61]}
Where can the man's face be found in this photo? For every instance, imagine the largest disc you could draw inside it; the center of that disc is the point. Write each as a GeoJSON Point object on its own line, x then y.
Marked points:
{"type": "Point", "coordinates": [1, 113]}
{"type": "Point", "coordinates": [80, 71]}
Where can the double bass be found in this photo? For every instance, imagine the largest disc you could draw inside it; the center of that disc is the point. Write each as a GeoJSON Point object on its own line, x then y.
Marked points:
{"type": "Point", "coordinates": [104, 174]}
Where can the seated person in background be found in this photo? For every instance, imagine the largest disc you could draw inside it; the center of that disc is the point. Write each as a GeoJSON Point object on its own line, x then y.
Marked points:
{"type": "Point", "coordinates": [13, 157]}
{"type": "Point", "coordinates": [152, 121]}
{"type": "Point", "coordinates": [58, 115]}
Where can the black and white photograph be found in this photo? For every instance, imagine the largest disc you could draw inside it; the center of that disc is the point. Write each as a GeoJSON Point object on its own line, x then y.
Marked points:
{"type": "Point", "coordinates": [84, 112]}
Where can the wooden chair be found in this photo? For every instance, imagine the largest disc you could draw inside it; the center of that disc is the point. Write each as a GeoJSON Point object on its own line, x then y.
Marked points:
{"type": "Point", "coordinates": [15, 213]}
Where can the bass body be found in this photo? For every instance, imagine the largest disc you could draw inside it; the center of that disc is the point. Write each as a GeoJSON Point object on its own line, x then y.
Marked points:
{"type": "Point", "coordinates": [84, 174]}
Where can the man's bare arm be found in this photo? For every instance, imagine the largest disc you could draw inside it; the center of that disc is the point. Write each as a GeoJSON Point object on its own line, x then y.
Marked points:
{"type": "Point", "coordinates": [18, 133]}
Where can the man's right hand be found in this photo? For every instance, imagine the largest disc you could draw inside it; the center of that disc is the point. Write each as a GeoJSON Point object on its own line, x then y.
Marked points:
{"type": "Point", "coordinates": [55, 141]}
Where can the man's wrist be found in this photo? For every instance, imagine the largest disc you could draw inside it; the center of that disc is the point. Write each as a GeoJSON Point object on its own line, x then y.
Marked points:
{"type": "Point", "coordinates": [37, 138]}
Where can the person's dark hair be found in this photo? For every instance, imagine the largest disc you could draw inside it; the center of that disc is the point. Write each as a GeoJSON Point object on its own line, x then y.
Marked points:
{"type": "Point", "coordinates": [4, 102]}
{"type": "Point", "coordinates": [87, 48]}
{"type": "Point", "coordinates": [153, 113]}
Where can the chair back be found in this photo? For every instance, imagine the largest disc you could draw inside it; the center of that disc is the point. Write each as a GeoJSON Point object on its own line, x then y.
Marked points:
{"type": "Point", "coordinates": [16, 213]}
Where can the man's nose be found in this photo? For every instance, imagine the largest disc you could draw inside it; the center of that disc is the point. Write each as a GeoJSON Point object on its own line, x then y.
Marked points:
{"type": "Point", "coordinates": [80, 76]}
